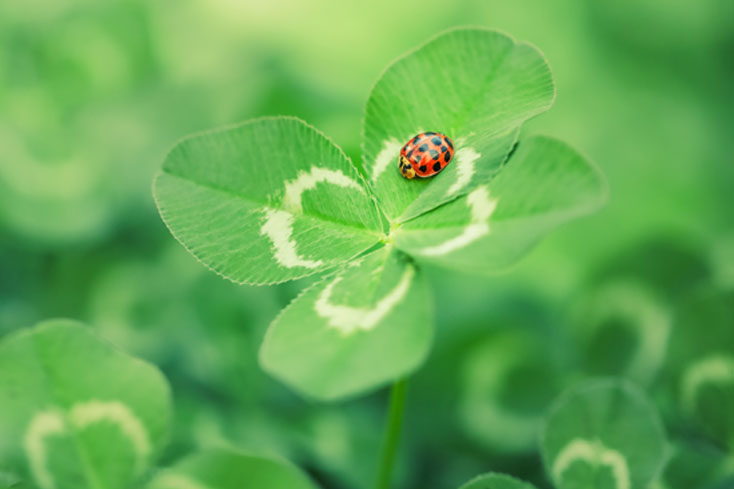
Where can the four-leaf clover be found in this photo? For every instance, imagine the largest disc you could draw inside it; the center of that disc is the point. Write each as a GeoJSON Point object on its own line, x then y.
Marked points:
{"type": "Point", "coordinates": [273, 200]}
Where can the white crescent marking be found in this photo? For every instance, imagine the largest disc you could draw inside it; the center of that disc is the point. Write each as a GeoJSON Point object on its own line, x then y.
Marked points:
{"type": "Point", "coordinates": [349, 319]}
{"type": "Point", "coordinates": [595, 453]}
{"type": "Point", "coordinates": [307, 181]}
{"type": "Point", "coordinates": [278, 227]}
{"type": "Point", "coordinates": [388, 153]}
{"type": "Point", "coordinates": [482, 207]}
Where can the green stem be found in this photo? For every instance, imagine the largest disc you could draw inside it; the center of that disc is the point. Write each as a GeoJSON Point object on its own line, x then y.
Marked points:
{"type": "Point", "coordinates": [391, 438]}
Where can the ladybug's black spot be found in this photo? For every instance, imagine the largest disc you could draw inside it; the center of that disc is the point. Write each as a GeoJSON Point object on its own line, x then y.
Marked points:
{"type": "Point", "coordinates": [429, 133]}
{"type": "Point", "coordinates": [417, 159]}
{"type": "Point", "coordinates": [410, 153]}
{"type": "Point", "coordinates": [436, 141]}
{"type": "Point", "coordinates": [423, 168]}
{"type": "Point", "coordinates": [415, 139]}
{"type": "Point", "coordinates": [436, 166]}
{"type": "Point", "coordinates": [434, 154]}
{"type": "Point", "coordinates": [443, 149]}
{"type": "Point", "coordinates": [446, 156]}
{"type": "Point", "coordinates": [422, 148]}
{"type": "Point", "coordinates": [448, 141]}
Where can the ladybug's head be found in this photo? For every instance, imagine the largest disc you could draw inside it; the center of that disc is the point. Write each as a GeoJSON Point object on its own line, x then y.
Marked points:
{"type": "Point", "coordinates": [405, 168]}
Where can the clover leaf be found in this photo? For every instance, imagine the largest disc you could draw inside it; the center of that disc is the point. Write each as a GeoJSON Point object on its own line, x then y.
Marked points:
{"type": "Point", "coordinates": [603, 434]}
{"type": "Point", "coordinates": [501, 419]}
{"type": "Point", "coordinates": [544, 184]}
{"type": "Point", "coordinates": [273, 200]}
{"type": "Point", "coordinates": [75, 412]}
{"type": "Point", "coordinates": [379, 307]}
{"type": "Point", "coordinates": [496, 481]}
{"type": "Point", "coordinates": [268, 201]}
{"type": "Point", "coordinates": [474, 85]}
{"type": "Point", "coordinates": [701, 364]}
{"type": "Point", "coordinates": [226, 469]}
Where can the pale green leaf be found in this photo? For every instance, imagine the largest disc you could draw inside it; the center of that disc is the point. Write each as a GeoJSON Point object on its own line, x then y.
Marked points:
{"type": "Point", "coordinates": [225, 469]}
{"type": "Point", "coordinates": [267, 201]}
{"type": "Point", "coordinates": [478, 87]}
{"type": "Point", "coordinates": [369, 324]}
{"type": "Point", "coordinates": [76, 413]}
{"type": "Point", "coordinates": [606, 435]}
{"type": "Point", "coordinates": [496, 481]}
{"type": "Point", "coordinates": [544, 185]}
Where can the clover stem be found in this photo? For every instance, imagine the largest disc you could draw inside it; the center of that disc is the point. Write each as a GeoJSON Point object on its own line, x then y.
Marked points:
{"type": "Point", "coordinates": [389, 449]}
{"type": "Point", "coordinates": [388, 238]}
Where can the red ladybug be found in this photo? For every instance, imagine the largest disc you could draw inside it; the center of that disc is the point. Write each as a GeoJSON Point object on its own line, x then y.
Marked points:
{"type": "Point", "coordinates": [425, 155]}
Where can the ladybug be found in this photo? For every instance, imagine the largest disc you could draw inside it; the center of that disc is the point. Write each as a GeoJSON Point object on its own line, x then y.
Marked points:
{"type": "Point", "coordinates": [425, 155]}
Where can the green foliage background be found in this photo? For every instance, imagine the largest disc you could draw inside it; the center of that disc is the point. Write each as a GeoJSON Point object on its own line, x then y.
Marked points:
{"type": "Point", "coordinates": [92, 95]}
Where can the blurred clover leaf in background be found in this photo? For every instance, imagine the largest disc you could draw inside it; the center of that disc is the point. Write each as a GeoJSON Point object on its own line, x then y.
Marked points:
{"type": "Point", "coordinates": [604, 433]}
{"type": "Point", "coordinates": [700, 374]}
{"type": "Point", "coordinates": [496, 481]}
{"type": "Point", "coordinates": [79, 413]}
{"type": "Point", "coordinates": [226, 469]}
{"type": "Point", "coordinates": [76, 412]}
{"type": "Point", "coordinates": [273, 200]}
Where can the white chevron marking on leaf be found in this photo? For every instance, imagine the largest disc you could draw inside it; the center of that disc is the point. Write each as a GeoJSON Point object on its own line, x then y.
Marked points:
{"type": "Point", "coordinates": [718, 369]}
{"type": "Point", "coordinates": [595, 453]}
{"type": "Point", "coordinates": [388, 153]}
{"type": "Point", "coordinates": [86, 413]}
{"type": "Point", "coordinates": [278, 228]}
{"type": "Point", "coordinates": [465, 167]}
{"type": "Point", "coordinates": [51, 423]}
{"type": "Point", "coordinates": [42, 426]}
{"type": "Point", "coordinates": [349, 319]}
{"type": "Point", "coordinates": [481, 207]}
{"type": "Point", "coordinates": [307, 181]}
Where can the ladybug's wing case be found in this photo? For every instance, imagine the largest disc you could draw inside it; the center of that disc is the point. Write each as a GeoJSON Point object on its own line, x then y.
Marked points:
{"type": "Point", "coordinates": [428, 153]}
{"type": "Point", "coordinates": [445, 148]}
{"type": "Point", "coordinates": [418, 156]}
{"type": "Point", "coordinates": [410, 144]}
{"type": "Point", "coordinates": [412, 153]}
{"type": "Point", "coordinates": [431, 157]}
